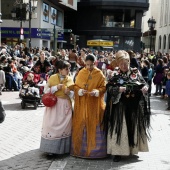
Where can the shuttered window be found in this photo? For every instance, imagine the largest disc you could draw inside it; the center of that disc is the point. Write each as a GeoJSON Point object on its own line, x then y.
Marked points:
{"type": "Point", "coordinates": [70, 2]}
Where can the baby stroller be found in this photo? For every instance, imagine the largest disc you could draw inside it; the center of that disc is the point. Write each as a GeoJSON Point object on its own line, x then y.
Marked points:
{"type": "Point", "coordinates": [29, 93]}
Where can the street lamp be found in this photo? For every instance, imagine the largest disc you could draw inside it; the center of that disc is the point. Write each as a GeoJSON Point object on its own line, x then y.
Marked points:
{"type": "Point", "coordinates": [18, 14]}
{"type": "Point", "coordinates": [151, 25]}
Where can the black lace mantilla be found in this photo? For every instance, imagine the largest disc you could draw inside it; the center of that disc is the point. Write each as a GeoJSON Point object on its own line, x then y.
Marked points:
{"type": "Point", "coordinates": [133, 104]}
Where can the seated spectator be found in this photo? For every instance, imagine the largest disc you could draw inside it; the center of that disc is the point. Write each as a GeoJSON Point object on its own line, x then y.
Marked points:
{"type": "Point", "coordinates": [28, 87]}
{"type": "Point", "coordinates": [15, 72]}
{"type": "Point", "coordinates": [10, 80]}
{"type": "Point", "coordinates": [42, 65]}
{"type": "Point", "coordinates": [3, 61]}
{"type": "Point", "coordinates": [30, 62]}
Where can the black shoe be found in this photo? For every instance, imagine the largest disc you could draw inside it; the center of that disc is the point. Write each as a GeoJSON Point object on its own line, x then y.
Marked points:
{"type": "Point", "coordinates": [117, 158]}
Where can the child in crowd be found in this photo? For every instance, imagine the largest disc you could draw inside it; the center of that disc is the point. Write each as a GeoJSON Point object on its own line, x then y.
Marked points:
{"type": "Point", "coordinates": [167, 90]}
{"type": "Point", "coordinates": [2, 79]}
{"type": "Point", "coordinates": [28, 87]}
{"type": "Point", "coordinates": [42, 82]}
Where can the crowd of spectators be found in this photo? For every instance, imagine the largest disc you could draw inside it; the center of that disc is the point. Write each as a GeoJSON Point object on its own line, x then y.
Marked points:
{"type": "Point", "coordinates": [14, 62]}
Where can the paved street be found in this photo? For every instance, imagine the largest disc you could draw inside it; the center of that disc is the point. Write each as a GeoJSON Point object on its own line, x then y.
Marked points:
{"type": "Point", "coordinates": [20, 140]}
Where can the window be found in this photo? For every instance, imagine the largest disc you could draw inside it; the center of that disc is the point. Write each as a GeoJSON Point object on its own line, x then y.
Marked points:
{"type": "Point", "coordinates": [113, 18]}
{"type": "Point", "coordinates": [118, 18]}
{"type": "Point", "coordinates": [160, 39]}
{"type": "Point", "coordinates": [128, 43]}
{"type": "Point", "coordinates": [70, 2]}
{"type": "Point", "coordinates": [169, 41]}
{"type": "Point", "coordinates": [59, 19]}
{"type": "Point", "coordinates": [53, 16]}
{"type": "Point", "coordinates": [166, 13]}
{"type": "Point", "coordinates": [161, 13]}
{"type": "Point", "coordinates": [45, 12]}
{"type": "Point", "coordinates": [164, 42]}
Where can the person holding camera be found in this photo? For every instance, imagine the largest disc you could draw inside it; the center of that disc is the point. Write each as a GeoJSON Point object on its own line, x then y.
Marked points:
{"type": "Point", "coordinates": [127, 113]}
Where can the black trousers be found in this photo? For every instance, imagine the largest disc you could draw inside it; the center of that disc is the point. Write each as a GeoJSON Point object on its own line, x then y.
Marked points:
{"type": "Point", "coordinates": [168, 101]}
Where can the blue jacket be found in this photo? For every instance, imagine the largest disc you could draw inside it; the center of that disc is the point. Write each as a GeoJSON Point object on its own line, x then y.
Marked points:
{"type": "Point", "coordinates": [150, 74]}
{"type": "Point", "coordinates": [168, 88]}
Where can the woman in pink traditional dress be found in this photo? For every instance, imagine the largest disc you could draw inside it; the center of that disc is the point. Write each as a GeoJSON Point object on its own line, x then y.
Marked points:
{"type": "Point", "coordinates": [56, 128]}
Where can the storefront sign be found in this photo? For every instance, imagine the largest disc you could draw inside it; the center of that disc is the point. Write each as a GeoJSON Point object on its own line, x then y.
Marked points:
{"type": "Point", "coordinates": [102, 43]}
{"type": "Point", "coordinates": [7, 32]}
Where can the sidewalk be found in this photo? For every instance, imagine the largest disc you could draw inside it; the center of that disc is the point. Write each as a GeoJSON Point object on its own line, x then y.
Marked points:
{"type": "Point", "coordinates": [20, 139]}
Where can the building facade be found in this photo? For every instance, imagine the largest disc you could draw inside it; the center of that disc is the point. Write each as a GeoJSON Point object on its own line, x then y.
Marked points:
{"type": "Point", "coordinates": [112, 20]}
{"type": "Point", "coordinates": [48, 15]}
{"type": "Point", "coordinates": [162, 43]}
{"type": "Point", "coordinates": [149, 37]}
{"type": "Point", "coordinates": [160, 11]}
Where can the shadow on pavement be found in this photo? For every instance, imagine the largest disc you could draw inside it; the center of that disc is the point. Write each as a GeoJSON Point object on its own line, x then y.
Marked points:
{"type": "Point", "coordinates": [35, 159]}
{"type": "Point", "coordinates": [17, 106]}
{"type": "Point", "coordinates": [12, 107]}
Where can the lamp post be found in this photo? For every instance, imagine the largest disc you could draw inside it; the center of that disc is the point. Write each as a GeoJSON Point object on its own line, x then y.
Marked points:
{"type": "Point", "coordinates": [151, 25]}
{"type": "Point", "coordinates": [31, 5]}
{"type": "Point", "coordinates": [18, 15]}
{"type": "Point", "coordinates": [30, 8]}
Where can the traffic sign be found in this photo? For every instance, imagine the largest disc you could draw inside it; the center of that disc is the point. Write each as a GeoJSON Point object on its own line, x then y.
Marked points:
{"type": "Point", "coordinates": [67, 30]}
{"type": "Point", "coordinates": [52, 29]}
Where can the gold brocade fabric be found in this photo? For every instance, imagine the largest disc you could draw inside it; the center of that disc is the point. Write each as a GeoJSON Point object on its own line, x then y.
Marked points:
{"type": "Point", "coordinates": [88, 110]}
{"type": "Point", "coordinates": [67, 83]}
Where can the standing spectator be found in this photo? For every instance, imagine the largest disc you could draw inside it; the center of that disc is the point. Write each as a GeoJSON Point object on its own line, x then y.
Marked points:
{"type": "Point", "coordinates": [88, 139]}
{"type": "Point", "coordinates": [168, 89]}
{"type": "Point", "coordinates": [164, 80]}
{"type": "Point", "coordinates": [143, 57]}
{"type": "Point", "coordinates": [73, 59]}
{"type": "Point", "coordinates": [127, 116]}
{"type": "Point", "coordinates": [2, 79]}
{"type": "Point", "coordinates": [155, 58]}
{"type": "Point", "coordinates": [81, 58]}
{"type": "Point", "coordinates": [57, 121]}
{"type": "Point", "coordinates": [133, 60]}
{"type": "Point", "coordinates": [150, 77]}
{"type": "Point", "coordinates": [158, 77]}
{"type": "Point", "coordinates": [152, 57]}
{"type": "Point", "coordinates": [145, 69]}
{"type": "Point", "coordinates": [100, 63]}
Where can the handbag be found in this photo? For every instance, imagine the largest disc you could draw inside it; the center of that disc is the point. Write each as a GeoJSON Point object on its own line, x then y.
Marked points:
{"type": "Point", "coordinates": [2, 113]}
{"type": "Point", "coordinates": [49, 99]}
